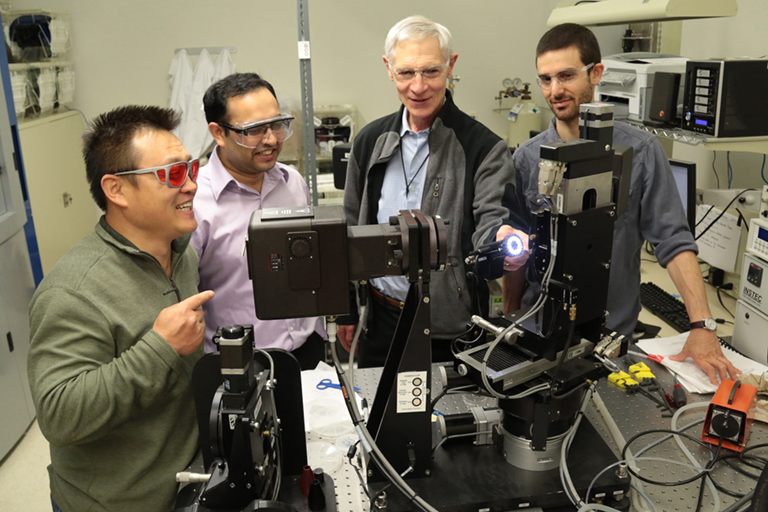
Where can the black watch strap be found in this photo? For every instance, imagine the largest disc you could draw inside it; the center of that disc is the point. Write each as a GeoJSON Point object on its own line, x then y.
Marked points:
{"type": "Point", "coordinates": [708, 324]}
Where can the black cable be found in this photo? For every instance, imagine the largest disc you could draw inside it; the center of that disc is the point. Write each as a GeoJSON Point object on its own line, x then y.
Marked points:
{"type": "Point", "coordinates": [729, 459]}
{"type": "Point", "coordinates": [570, 392]}
{"type": "Point", "coordinates": [709, 466]}
{"type": "Point", "coordinates": [722, 212]}
{"type": "Point", "coordinates": [703, 217]}
{"type": "Point", "coordinates": [754, 447]}
{"type": "Point", "coordinates": [725, 490]}
{"type": "Point", "coordinates": [720, 298]}
{"type": "Point", "coordinates": [351, 455]}
{"type": "Point", "coordinates": [358, 421]}
{"type": "Point", "coordinates": [744, 222]}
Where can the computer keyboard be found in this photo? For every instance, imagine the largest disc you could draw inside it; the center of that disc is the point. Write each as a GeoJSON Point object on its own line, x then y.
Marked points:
{"type": "Point", "coordinates": [665, 306]}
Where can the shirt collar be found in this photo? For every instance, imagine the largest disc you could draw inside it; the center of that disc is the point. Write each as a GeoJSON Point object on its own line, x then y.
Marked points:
{"type": "Point", "coordinates": [553, 129]}
{"type": "Point", "coordinates": [405, 127]}
{"type": "Point", "coordinates": [221, 179]}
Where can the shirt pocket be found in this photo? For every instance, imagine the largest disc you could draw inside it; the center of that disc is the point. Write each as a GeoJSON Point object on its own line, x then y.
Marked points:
{"type": "Point", "coordinates": [534, 199]}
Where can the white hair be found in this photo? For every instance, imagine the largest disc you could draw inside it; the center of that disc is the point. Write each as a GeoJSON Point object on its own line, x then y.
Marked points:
{"type": "Point", "coordinates": [417, 28]}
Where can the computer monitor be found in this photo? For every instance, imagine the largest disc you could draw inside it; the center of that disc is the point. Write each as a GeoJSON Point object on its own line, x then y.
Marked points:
{"type": "Point", "coordinates": [685, 177]}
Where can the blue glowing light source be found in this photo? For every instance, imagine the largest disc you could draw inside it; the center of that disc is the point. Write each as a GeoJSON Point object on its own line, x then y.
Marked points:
{"type": "Point", "coordinates": [514, 245]}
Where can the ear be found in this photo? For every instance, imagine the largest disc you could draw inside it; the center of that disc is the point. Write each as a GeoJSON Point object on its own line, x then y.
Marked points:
{"type": "Point", "coordinates": [113, 188]}
{"type": "Point", "coordinates": [597, 73]}
{"type": "Point", "coordinates": [451, 63]}
{"type": "Point", "coordinates": [217, 132]}
{"type": "Point", "coordinates": [389, 71]}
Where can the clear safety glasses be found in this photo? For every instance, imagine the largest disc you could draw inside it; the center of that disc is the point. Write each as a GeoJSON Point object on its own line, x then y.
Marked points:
{"type": "Point", "coordinates": [174, 175]}
{"type": "Point", "coordinates": [427, 73]}
{"type": "Point", "coordinates": [564, 77]}
{"type": "Point", "coordinates": [253, 134]}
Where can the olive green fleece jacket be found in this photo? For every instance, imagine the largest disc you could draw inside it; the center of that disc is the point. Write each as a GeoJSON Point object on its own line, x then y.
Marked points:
{"type": "Point", "coordinates": [112, 397]}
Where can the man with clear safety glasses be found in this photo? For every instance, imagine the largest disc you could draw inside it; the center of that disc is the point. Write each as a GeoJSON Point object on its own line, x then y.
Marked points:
{"type": "Point", "coordinates": [116, 325]}
{"type": "Point", "coordinates": [429, 156]}
{"type": "Point", "coordinates": [569, 68]}
{"type": "Point", "coordinates": [243, 175]}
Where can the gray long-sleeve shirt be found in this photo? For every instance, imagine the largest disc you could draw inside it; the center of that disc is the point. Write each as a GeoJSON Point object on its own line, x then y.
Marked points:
{"type": "Point", "coordinates": [655, 213]}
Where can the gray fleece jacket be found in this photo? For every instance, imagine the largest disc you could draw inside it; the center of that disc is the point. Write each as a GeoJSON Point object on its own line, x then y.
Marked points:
{"type": "Point", "coordinates": [469, 169]}
{"type": "Point", "coordinates": [112, 397]}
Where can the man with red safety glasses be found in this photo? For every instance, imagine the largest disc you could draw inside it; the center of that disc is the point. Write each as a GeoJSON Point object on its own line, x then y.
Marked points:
{"type": "Point", "coordinates": [116, 325]}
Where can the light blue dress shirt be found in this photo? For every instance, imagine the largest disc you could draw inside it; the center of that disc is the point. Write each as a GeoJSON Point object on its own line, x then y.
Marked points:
{"type": "Point", "coordinates": [414, 154]}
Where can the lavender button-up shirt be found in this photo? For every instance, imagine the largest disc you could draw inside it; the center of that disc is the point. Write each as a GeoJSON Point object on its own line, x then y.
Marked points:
{"type": "Point", "coordinates": [223, 208]}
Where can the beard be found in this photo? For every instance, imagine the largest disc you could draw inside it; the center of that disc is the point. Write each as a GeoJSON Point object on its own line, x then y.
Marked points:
{"type": "Point", "coordinates": [572, 111]}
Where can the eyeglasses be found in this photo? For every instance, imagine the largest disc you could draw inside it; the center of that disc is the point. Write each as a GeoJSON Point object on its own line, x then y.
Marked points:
{"type": "Point", "coordinates": [250, 135]}
{"type": "Point", "coordinates": [427, 73]}
{"type": "Point", "coordinates": [564, 77]}
{"type": "Point", "coordinates": [174, 175]}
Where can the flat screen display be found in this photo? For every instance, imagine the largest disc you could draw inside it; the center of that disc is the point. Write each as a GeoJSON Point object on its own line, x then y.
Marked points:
{"type": "Point", "coordinates": [685, 178]}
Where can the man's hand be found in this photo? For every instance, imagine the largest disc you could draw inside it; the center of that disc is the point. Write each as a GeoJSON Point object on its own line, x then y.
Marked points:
{"type": "Point", "coordinates": [510, 263]}
{"type": "Point", "coordinates": [703, 347]}
{"type": "Point", "coordinates": [182, 325]}
{"type": "Point", "coordinates": [346, 333]}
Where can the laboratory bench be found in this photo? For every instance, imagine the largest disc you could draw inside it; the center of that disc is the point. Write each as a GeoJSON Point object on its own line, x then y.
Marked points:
{"type": "Point", "coordinates": [633, 414]}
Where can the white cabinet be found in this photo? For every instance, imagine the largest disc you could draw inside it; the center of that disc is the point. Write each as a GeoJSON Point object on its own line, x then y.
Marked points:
{"type": "Point", "coordinates": [62, 206]}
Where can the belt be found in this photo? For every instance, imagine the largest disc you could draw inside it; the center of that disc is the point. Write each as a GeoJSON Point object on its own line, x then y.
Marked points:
{"type": "Point", "coordinates": [389, 301]}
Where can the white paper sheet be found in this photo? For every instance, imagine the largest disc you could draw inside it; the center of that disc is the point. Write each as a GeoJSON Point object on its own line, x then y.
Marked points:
{"type": "Point", "coordinates": [693, 379]}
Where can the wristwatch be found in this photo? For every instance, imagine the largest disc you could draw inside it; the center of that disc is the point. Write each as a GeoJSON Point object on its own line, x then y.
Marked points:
{"type": "Point", "coordinates": [708, 324]}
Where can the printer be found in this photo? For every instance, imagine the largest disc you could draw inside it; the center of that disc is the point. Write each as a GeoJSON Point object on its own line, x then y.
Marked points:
{"type": "Point", "coordinates": [627, 81]}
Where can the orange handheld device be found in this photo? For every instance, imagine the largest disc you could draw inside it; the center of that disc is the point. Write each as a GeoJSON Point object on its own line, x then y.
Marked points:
{"type": "Point", "coordinates": [730, 415]}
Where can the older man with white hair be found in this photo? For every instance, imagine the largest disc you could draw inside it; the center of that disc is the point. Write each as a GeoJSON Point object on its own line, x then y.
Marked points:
{"type": "Point", "coordinates": [429, 156]}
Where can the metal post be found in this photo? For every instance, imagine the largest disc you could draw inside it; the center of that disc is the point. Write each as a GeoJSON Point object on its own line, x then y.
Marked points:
{"type": "Point", "coordinates": [307, 108]}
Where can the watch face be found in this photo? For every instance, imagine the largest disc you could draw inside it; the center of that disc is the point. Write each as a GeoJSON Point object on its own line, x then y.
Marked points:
{"type": "Point", "coordinates": [710, 324]}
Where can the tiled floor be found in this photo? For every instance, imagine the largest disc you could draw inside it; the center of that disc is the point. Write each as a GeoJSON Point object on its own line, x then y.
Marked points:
{"type": "Point", "coordinates": [24, 477]}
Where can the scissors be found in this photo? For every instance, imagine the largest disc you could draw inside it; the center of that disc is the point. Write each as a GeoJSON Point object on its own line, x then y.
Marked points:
{"type": "Point", "coordinates": [327, 383]}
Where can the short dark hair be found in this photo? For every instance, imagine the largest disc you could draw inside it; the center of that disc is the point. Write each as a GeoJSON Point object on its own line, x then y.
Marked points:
{"type": "Point", "coordinates": [236, 84]}
{"type": "Point", "coordinates": [108, 145]}
{"type": "Point", "coordinates": [567, 35]}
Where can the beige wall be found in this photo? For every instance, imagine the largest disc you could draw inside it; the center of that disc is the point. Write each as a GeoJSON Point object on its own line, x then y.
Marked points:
{"type": "Point", "coordinates": [123, 48]}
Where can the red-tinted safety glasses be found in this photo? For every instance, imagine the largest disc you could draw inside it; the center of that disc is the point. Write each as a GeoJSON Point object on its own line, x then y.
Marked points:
{"type": "Point", "coordinates": [174, 175]}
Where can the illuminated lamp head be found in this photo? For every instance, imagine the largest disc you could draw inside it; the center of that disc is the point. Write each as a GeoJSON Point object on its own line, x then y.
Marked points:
{"type": "Point", "coordinates": [513, 244]}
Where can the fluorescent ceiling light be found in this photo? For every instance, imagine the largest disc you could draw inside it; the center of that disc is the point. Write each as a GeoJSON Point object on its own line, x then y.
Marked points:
{"type": "Point", "coordinates": [618, 12]}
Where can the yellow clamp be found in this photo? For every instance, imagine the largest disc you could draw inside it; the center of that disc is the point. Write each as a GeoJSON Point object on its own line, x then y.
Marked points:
{"type": "Point", "coordinates": [622, 380]}
{"type": "Point", "coordinates": [641, 371]}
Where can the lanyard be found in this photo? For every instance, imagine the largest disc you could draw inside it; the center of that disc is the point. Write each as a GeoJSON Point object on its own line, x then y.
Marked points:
{"type": "Point", "coordinates": [402, 162]}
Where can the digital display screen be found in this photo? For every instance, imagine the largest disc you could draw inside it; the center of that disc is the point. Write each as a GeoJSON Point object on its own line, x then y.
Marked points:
{"type": "Point", "coordinates": [762, 234]}
{"type": "Point", "coordinates": [700, 122]}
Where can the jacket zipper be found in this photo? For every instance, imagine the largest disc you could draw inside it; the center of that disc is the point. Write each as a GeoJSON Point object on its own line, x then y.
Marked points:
{"type": "Point", "coordinates": [174, 289]}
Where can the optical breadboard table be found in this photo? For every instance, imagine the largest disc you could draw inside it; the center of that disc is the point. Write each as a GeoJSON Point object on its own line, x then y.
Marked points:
{"type": "Point", "coordinates": [633, 414]}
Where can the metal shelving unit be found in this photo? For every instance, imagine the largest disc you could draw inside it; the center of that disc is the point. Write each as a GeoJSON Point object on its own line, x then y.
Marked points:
{"type": "Point", "coordinates": [747, 144]}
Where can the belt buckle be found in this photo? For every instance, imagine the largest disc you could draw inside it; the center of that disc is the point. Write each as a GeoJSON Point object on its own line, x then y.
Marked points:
{"type": "Point", "coordinates": [401, 304]}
